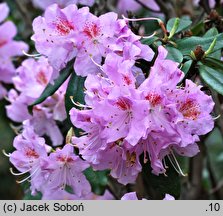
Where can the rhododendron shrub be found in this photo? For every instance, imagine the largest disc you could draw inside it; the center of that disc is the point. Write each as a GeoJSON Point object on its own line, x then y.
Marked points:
{"type": "Point", "coordinates": [108, 104]}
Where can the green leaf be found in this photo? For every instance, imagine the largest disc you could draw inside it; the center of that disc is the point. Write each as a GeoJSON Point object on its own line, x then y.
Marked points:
{"type": "Point", "coordinates": [186, 66]}
{"type": "Point", "coordinates": [158, 186]}
{"type": "Point", "coordinates": [211, 32]}
{"type": "Point", "coordinates": [215, 151]}
{"type": "Point", "coordinates": [184, 24]}
{"type": "Point", "coordinates": [198, 28]}
{"type": "Point", "coordinates": [213, 63]}
{"type": "Point", "coordinates": [149, 41]}
{"type": "Point", "coordinates": [174, 28]}
{"type": "Point", "coordinates": [174, 54]}
{"type": "Point", "coordinates": [75, 89]}
{"type": "Point", "coordinates": [28, 196]}
{"type": "Point", "coordinates": [212, 77]}
{"type": "Point", "coordinates": [187, 45]}
{"type": "Point", "coordinates": [51, 89]}
{"type": "Point", "coordinates": [97, 179]}
{"type": "Point", "coordinates": [26, 188]}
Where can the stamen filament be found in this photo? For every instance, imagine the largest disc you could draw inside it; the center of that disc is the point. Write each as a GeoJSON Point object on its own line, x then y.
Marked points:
{"type": "Point", "coordinates": [31, 55]}
{"type": "Point", "coordinates": [98, 65]}
{"type": "Point", "coordinates": [142, 19]}
{"type": "Point", "coordinates": [18, 174]}
{"type": "Point", "coordinates": [161, 23]}
{"type": "Point", "coordinates": [164, 162]}
{"type": "Point", "coordinates": [173, 164]}
{"type": "Point", "coordinates": [78, 104]}
{"type": "Point", "coordinates": [149, 36]}
{"type": "Point", "coordinates": [6, 154]}
{"type": "Point", "coordinates": [178, 165]}
{"type": "Point", "coordinates": [217, 117]}
{"type": "Point", "coordinates": [28, 177]}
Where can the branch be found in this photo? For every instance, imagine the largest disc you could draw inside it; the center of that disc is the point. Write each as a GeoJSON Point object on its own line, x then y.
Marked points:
{"type": "Point", "coordinates": [205, 5]}
{"type": "Point", "coordinates": [195, 175]}
{"type": "Point", "coordinates": [167, 8]}
{"type": "Point", "coordinates": [24, 13]}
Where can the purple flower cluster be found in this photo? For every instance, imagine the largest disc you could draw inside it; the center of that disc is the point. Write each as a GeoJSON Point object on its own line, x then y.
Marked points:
{"type": "Point", "coordinates": [30, 80]}
{"type": "Point", "coordinates": [128, 113]}
{"type": "Point", "coordinates": [9, 49]}
{"type": "Point", "coordinates": [125, 117]}
{"type": "Point", "coordinates": [50, 172]}
{"type": "Point", "coordinates": [63, 34]}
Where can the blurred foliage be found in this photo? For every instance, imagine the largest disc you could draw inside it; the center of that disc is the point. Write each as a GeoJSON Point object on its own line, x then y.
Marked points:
{"type": "Point", "coordinates": [9, 189]}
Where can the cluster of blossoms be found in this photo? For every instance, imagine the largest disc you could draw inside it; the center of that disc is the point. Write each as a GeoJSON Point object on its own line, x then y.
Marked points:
{"type": "Point", "coordinates": [63, 34]}
{"type": "Point", "coordinates": [128, 113]}
{"type": "Point", "coordinates": [8, 49]}
{"type": "Point", "coordinates": [50, 172]}
{"type": "Point", "coordinates": [125, 117]}
{"type": "Point", "coordinates": [30, 80]}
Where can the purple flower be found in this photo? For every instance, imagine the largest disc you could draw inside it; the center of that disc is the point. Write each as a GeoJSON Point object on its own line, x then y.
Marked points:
{"type": "Point", "coordinates": [131, 5]}
{"type": "Point", "coordinates": [133, 196]}
{"type": "Point", "coordinates": [4, 11]}
{"type": "Point", "coordinates": [33, 84]}
{"type": "Point", "coordinates": [9, 48]}
{"type": "Point", "coordinates": [130, 196]}
{"type": "Point", "coordinates": [72, 32]}
{"type": "Point", "coordinates": [64, 195]}
{"type": "Point", "coordinates": [63, 168]}
{"type": "Point", "coordinates": [31, 79]}
{"type": "Point", "coordinates": [53, 33]}
{"type": "Point", "coordinates": [165, 73]}
{"type": "Point", "coordinates": [58, 195]}
{"type": "Point", "coordinates": [168, 197]}
{"type": "Point", "coordinates": [28, 156]}
{"type": "Point", "coordinates": [122, 160]}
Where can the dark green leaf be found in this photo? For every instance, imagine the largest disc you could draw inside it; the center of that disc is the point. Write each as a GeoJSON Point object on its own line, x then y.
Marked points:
{"type": "Point", "coordinates": [186, 66]}
{"type": "Point", "coordinates": [158, 186]}
{"type": "Point", "coordinates": [185, 23]}
{"type": "Point", "coordinates": [198, 28]}
{"type": "Point", "coordinates": [149, 41]}
{"type": "Point", "coordinates": [51, 89]}
{"type": "Point", "coordinates": [215, 150]}
{"type": "Point", "coordinates": [75, 89]}
{"type": "Point", "coordinates": [187, 45]}
{"type": "Point", "coordinates": [26, 188]}
{"type": "Point", "coordinates": [174, 54]}
{"type": "Point", "coordinates": [211, 32]}
{"type": "Point", "coordinates": [97, 179]}
{"type": "Point", "coordinates": [212, 77]}
{"type": "Point", "coordinates": [28, 196]}
{"type": "Point", "coordinates": [213, 63]}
